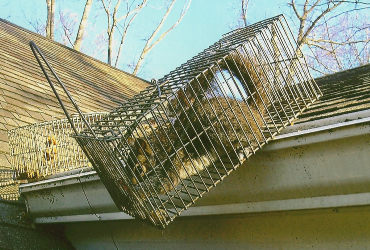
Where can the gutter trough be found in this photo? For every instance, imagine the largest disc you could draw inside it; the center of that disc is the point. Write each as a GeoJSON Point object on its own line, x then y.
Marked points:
{"type": "Point", "coordinates": [79, 195]}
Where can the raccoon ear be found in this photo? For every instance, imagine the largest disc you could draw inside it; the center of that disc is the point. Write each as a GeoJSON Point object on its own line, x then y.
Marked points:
{"type": "Point", "coordinates": [48, 141]}
{"type": "Point", "coordinates": [131, 141]}
{"type": "Point", "coordinates": [144, 144]}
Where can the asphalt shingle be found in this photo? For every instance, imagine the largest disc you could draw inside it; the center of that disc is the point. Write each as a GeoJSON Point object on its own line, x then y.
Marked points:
{"type": "Point", "coordinates": [25, 95]}
{"type": "Point", "coordinates": [343, 92]}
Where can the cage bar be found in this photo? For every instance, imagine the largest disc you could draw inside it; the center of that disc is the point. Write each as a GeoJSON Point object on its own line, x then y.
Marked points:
{"type": "Point", "coordinates": [47, 148]}
{"type": "Point", "coordinates": [8, 186]}
{"type": "Point", "coordinates": [161, 151]}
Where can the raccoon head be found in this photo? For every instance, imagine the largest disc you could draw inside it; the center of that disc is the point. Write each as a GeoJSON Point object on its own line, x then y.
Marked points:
{"type": "Point", "coordinates": [50, 141]}
{"type": "Point", "coordinates": [141, 158]}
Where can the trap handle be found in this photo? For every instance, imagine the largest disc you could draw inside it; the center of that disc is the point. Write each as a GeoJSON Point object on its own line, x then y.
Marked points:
{"type": "Point", "coordinates": [37, 52]}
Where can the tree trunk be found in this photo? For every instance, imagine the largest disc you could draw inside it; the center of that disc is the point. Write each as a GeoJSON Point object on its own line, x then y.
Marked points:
{"type": "Point", "coordinates": [81, 28]}
{"type": "Point", "coordinates": [48, 5]}
{"type": "Point", "coordinates": [110, 46]}
{"type": "Point", "coordinates": [50, 19]}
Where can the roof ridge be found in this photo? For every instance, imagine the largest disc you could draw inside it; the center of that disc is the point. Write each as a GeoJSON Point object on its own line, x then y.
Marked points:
{"type": "Point", "coordinates": [339, 73]}
{"type": "Point", "coordinates": [70, 49]}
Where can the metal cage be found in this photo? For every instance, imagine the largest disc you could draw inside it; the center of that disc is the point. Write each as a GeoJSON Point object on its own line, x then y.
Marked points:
{"type": "Point", "coordinates": [8, 186]}
{"type": "Point", "coordinates": [47, 148]}
{"type": "Point", "coordinates": [171, 143]}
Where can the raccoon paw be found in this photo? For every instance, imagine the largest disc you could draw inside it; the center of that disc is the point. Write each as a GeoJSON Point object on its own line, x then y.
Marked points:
{"type": "Point", "coordinates": [243, 153]}
{"type": "Point", "coordinates": [158, 216]}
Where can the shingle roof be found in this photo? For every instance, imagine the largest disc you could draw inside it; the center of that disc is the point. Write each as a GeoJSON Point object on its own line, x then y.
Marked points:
{"type": "Point", "coordinates": [343, 92]}
{"type": "Point", "coordinates": [26, 97]}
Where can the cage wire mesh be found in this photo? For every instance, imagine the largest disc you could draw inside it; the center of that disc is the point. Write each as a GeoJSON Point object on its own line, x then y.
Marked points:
{"type": "Point", "coordinates": [170, 144]}
{"type": "Point", "coordinates": [47, 148]}
{"type": "Point", "coordinates": [8, 186]}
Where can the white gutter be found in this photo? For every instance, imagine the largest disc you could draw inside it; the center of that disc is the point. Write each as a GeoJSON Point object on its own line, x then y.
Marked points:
{"type": "Point", "coordinates": [320, 134]}
{"type": "Point", "coordinates": [340, 120]}
{"type": "Point", "coordinates": [303, 129]}
{"type": "Point", "coordinates": [291, 132]}
{"type": "Point", "coordinates": [323, 202]}
{"type": "Point", "coordinates": [62, 181]}
{"type": "Point", "coordinates": [360, 127]}
{"type": "Point", "coordinates": [296, 135]}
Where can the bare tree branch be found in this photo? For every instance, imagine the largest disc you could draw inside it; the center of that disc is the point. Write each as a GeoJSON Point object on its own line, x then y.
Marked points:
{"type": "Point", "coordinates": [341, 13]}
{"type": "Point", "coordinates": [334, 51]}
{"type": "Point", "coordinates": [38, 26]}
{"type": "Point", "coordinates": [113, 21]}
{"type": "Point", "coordinates": [245, 4]}
{"type": "Point", "coordinates": [67, 24]}
{"type": "Point", "coordinates": [302, 35]}
{"type": "Point", "coordinates": [322, 64]}
{"type": "Point", "coordinates": [150, 44]}
{"type": "Point", "coordinates": [313, 42]}
{"type": "Point", "coordinates": [67, 35]}
{"type": "Point", "coordinates": [336, 41]}
{"type": "Point", "coordinates": [293, 5]}
{"type": "Point", "coordinates": [129, 13]}
{"type": "Point", "coordinates": [126, 27]}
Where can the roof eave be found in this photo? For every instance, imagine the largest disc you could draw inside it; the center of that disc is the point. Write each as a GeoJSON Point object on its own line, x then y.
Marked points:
{"type": "Point", "coordinates": [308, 134]}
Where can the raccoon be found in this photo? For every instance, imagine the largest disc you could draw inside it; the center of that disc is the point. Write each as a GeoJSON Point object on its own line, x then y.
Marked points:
{"type": "Point", "coordinates": [27, 174]}
{"type": "Point", "coordinates": [206, 127]}
{"type": "Point", "coordinates": [50, 152]}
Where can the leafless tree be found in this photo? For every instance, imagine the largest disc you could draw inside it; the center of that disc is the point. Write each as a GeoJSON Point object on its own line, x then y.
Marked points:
{"type": "Point", "coordinates": [340, 47]}
{"type": "Point", "coordinates": [113, 21]}
{"type": "Point", "coordinates": [64, 21]}
{"type": "Point", "coordinates": [245, 4]}
{"type": "Point", "coordinates": [240, 8]}
{"type": "Point", "coordinates": [67, 24]}
{"type": "Point", "coordinates": [68, 21]}
{"type": "Point", "coordinates": [122, 22]}
{"type": "Point", "coordinates": [333, 34]}
{"type": "Point", "coordinates": [120, 16]}
{"type": "Point", "coordinates": [37, 24]}
{"type": "Point", "coordinates": [50, 19]}
{"type": "Point", "coordinates": [335, 41]}
{"type": "Point", "coordinates": [81, 28]}
{"type": "Point", "coordinates": [127, 23]}
{"type": "Point", "coordinates": [151, 42]}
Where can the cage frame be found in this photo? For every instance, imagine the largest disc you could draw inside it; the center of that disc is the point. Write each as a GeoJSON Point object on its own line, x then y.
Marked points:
{"type": "Point", "coordinates": [149, 206]}
{"type": "Point", "coordinates": [34, 157]}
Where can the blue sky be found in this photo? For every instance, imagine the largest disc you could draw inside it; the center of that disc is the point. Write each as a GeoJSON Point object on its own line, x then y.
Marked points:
{"type": "Point", "coordinates": [203, 25]}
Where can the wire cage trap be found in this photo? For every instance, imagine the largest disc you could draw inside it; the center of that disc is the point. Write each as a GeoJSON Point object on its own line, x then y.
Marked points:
{"type": "Point", "coordinates": [8, 186]}
{"type": "Point", "coordinates": [47, 148]}
{"type": "Point", "coordinates": [171, 143]}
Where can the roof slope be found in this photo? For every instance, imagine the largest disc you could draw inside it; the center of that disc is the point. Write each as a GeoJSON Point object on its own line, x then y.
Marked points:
{"type": "Point", "coordinates": [25, 95]}
{"type": "Point", "coordinates": [343, 92]}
